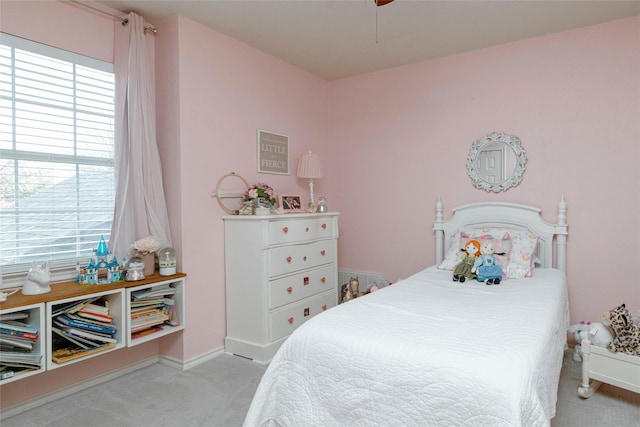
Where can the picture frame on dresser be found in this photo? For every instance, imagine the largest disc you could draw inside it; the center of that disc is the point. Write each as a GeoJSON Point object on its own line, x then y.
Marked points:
{"type": "Point", "coordinates": [290, 203]}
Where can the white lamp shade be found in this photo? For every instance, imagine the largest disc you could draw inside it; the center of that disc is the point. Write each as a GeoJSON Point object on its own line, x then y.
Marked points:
{"type": "Point", "coordinates": [310, 166]}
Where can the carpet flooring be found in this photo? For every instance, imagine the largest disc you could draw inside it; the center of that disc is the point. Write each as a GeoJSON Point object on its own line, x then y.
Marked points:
{"type": "Point", "coordinates": [219, 392]}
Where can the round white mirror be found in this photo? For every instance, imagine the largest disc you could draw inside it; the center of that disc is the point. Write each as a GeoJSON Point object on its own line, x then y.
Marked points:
{"type": "Point", "coordinates": [496, 162]}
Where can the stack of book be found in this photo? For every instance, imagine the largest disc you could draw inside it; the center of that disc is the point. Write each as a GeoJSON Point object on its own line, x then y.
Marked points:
{"type": "Point", "coordinates": [150, 308]}
{"type": "Point", "coordinates": [18, 345]}
{"type": "Point", "coordinates": [82, 328]}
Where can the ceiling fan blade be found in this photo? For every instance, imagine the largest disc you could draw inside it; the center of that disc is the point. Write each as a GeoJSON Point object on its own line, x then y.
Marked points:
{"type": "Point", "coordinates": [382, 2]}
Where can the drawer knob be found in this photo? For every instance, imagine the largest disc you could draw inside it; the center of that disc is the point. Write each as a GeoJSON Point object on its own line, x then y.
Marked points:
{"type": "Point", "coordinates": [290, 320]}
{"type": "Point", "coordinates": [285, 229]}
{"type": "Point", "coordinates": [324, 279]}
{"type": "Point", "coordinates": [306, 229]}
{"type": "Point", "coordinates": [304, 258]}
{"type": "Point", "coordinates": [322, 252]}
{"type": "Point", "coordinates": [324, 226]}
{"type": "Point", "coordinates": [324, 307]}
{"type": "Point", "coordinates": [289, 259]}
{"type": "Point", "coordinates": [289, 289]}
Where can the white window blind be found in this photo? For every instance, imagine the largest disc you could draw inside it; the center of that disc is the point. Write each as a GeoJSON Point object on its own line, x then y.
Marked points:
{"type": "Point", "coordinates": [56, 154]}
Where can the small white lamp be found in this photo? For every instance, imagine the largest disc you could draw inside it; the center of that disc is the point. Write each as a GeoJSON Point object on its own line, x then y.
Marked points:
{"type": "Point", "coordinates": [310, 167]}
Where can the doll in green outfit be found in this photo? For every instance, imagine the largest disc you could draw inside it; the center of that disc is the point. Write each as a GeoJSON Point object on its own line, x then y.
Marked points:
{"type": "Point", "coordinates": [462, 271]}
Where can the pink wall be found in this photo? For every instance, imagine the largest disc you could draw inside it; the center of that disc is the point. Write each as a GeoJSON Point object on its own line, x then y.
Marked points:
{"type": "Point", "coordinates": [401, 138]}
{"type": "Point", "coordinates": [223, 92]}
{"type": "Point", "coordinates": [63, 25]}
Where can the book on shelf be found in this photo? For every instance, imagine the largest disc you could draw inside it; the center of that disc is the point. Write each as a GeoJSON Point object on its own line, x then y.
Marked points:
{"type": "Point", "coordinates": [93, 336]}
{"type": "Point", "coordinates": [16, 315]}
{"type": "Point", "coordinates": [80, 342]}
{"type": "Point", "coordinates": [147, 324]}
{"type": "Point", "coordinates": [28, 338]}
{"type": "Point", "coordinates": [89, 326]}
{"type": "Point", "coordinates": [6, 374]}
{"type": "Point", "coordinates": [96, 308]}
{"type": "Point", "coordinates": [149, 318]}
{"type": "Point", "coordinates": [8, 328]}
{"type": "Point", "coordinates": [84, 319]}
{"type": "Point", "coordinates": [21, 366]}
{"type": "Point", "coordinates": [143, 311]}
{"type": "Point", "coordinates": [17, 323]}
{"type": "Point", "coordinates": [9, 342]}
{"type": "Point", "coordinates": [153, 292]}
{"type": "Point", "coordinates": [94, 316]}
{"type": "Point", "coordinates": [147, 302]}
{"type": "Point", "coordinates": [170, 310]}
{"type": "Point", "coordinates": [73, 306]}
{"type": "Point", "coordinates": [147, 331]}
{"type": "Point", "coordinates": [20, 357]}
{"type": "Point", "coordinates": [141, 328]}
{"type": "Point", "coordinates": [62, 355]}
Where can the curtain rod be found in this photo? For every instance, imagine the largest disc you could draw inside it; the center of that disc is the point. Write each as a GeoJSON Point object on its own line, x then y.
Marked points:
{"type": "Point", "coordinates": [124, 20]}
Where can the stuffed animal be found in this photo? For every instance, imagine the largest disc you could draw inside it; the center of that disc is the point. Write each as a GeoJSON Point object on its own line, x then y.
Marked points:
{"type": "Point", "coordinates": [626, 334]}
{"type": "Point", "coordinates": [597, 333]}
{"type": "Point", "coordinates": [463, 271]}
{"type": "Point", "coordinates": [487, 266]}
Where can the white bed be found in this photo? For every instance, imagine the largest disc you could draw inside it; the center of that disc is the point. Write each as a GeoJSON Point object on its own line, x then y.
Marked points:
{"type": "Point", "coordinates": [428, 351]}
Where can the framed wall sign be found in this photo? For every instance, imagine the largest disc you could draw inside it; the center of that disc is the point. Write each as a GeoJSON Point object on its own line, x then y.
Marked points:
{"type": "Point", "coordinates": [273, 152]}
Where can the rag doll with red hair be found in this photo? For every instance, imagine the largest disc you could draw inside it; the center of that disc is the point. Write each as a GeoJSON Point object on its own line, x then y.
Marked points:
{"type": "Point", "coordinates": [463, 271]}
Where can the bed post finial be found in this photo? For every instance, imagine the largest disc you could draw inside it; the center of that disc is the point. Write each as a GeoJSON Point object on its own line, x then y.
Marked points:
{"type": "Point", "coordinates": [562, 211]}
{"type": "Point", "coordinates": [561, 235]}
{"type": "Point", "coordinates": [437, 225]}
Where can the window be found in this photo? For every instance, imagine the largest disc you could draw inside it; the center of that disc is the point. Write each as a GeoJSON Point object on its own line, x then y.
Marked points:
{"type": "Point", "coordinates": [56, 154]}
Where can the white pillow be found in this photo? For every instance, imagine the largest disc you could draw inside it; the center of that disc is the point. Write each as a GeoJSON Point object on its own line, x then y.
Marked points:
{"type": "Point", "coordinates": [454, 254]}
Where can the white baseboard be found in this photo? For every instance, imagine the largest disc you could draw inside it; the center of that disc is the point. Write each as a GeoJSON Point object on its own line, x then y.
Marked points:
{"type": "Point", "coordinates": [76, 387]}
{"type": "Point", "coordinates": [184, 365]}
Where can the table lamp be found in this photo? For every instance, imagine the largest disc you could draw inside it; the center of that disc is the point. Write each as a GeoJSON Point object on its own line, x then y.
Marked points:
{"type": "Point", "coordinates": [310, 167]}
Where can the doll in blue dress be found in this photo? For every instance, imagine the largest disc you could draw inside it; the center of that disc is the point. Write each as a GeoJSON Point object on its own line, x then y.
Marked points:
{"type": "Point", "coordinates": [487, 266]}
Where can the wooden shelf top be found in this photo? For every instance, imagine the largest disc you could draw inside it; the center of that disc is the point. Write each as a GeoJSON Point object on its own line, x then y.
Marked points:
{"type": "Point", "coordinates": [68, 289]}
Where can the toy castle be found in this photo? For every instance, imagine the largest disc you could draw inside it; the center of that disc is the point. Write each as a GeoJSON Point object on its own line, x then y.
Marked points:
{"type": "Point", "coordinates": [101, 268]}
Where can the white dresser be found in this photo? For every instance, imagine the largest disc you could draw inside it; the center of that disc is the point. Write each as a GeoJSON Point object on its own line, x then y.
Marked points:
{"type": "Point", "coordinates": [281, 270]}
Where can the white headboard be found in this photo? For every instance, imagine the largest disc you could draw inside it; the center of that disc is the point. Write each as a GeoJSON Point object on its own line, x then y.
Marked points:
{"type": "Point", "coordinates": [553, 237]}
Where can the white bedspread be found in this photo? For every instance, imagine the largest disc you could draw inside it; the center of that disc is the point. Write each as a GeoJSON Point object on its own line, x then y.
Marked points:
{"type": "Point", "coordinates": [424, 352]}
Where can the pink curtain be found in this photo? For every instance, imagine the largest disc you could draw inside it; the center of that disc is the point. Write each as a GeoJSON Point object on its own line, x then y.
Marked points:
{"type": "Point", "coordinates": [140, 207]}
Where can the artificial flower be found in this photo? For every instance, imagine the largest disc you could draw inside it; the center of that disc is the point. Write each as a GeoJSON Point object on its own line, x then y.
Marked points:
{"type": "Point", "coordinates": [146, 246]}
{"type": "Point", "coordinates": [260, 190]}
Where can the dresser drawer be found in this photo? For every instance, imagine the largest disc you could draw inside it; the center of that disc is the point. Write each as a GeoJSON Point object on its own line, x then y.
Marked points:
{"type": "Point", "coordinates": [288, 259]}
{"type": "Point", "coordinates": [286, 320]}
{"type": "Point", "coordinates": [302, 285]}
{"type": "Point", "coordinates": [300, 230]}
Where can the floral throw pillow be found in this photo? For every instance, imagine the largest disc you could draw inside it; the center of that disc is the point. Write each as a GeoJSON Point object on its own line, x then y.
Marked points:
{"type": "Point", "coordinates": [523, 255]}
